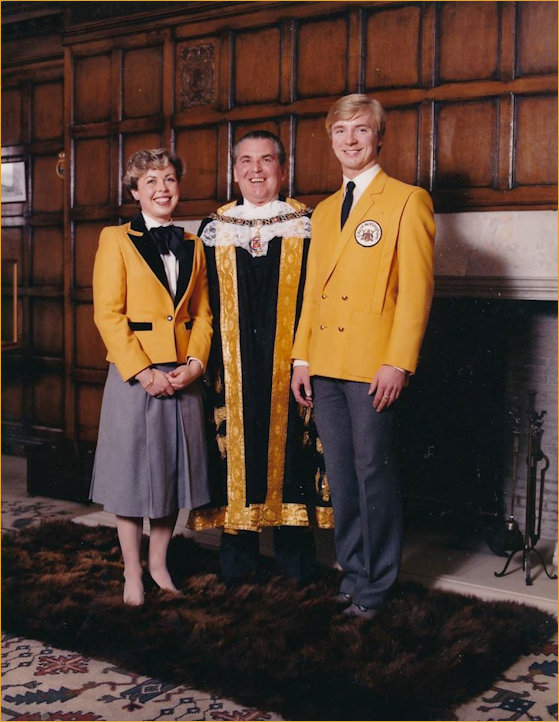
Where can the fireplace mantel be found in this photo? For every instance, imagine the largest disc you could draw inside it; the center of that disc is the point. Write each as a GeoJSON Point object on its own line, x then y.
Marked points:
{"type": "Point", "coordinates": [507, 255]}
{"type": "Point", "coordinates": [522, 289]}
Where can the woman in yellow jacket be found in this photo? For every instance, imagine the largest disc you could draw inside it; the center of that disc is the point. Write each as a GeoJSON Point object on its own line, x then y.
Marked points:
{"type": "Point", "coordinates": [151, 307]}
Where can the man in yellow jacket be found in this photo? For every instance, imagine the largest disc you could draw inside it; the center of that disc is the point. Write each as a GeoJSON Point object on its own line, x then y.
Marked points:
{"type": "Point", "coordinates": [366, 303]}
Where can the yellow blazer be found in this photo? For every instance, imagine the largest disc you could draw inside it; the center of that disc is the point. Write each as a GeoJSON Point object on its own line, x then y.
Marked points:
{"type": "Point", "coordinates": [369, 287]}
{"type": "Point", "coordinates": [137, 318]}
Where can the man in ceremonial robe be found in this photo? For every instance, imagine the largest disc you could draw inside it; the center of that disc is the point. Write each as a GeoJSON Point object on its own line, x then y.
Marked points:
{"type": "Point", "coordinates": [265, 469]}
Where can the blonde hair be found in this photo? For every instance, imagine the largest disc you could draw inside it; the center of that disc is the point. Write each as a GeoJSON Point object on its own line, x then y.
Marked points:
{"type": "Point", "coordinates": [349, 106]}
{"type": "Point", "coordinates": [154, 159]}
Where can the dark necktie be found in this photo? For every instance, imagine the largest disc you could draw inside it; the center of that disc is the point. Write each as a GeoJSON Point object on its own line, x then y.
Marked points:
{"type": "Point", "coordinates": [348, 202]}
{"type": "Point", "coordinates": [169, 238]}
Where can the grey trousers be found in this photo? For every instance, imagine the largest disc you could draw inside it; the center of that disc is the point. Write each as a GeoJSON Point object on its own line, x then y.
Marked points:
{"type": "Point", "coordinates": [359, 454]}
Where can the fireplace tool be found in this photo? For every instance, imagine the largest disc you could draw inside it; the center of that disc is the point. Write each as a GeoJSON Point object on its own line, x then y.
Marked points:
{"type": "Point", "coordinates": [512, 539]}
{"type": "Point", "coordinates": [532, 527]}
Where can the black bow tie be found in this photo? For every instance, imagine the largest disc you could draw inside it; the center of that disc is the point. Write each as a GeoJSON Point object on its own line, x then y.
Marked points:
{"type": "Point", "coordinates": [169, 238]}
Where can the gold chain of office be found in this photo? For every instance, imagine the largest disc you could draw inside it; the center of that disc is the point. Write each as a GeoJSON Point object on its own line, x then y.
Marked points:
{"type": "Point", "coordinates": [259, 222]}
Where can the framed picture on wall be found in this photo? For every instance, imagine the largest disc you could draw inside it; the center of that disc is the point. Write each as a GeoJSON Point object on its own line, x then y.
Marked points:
{"type": "Point", "coordinates": [13, 182]}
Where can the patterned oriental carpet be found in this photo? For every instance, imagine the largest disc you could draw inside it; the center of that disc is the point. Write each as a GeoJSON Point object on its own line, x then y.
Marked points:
{"type": "Point", "coordinates": [269, 645]}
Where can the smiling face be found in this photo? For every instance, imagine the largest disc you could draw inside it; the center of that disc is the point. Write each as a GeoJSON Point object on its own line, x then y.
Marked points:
{"type": "Point", "coordinates": [258, 171]}
{"type": "Point", "coordinates": [158, 193]}
{"type": "Point", "coordinates": [356, 143]}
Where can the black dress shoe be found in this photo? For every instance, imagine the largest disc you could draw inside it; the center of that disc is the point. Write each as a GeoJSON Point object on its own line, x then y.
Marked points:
{"type": "Point", "coordinates": [342, 599]}
{"type": "Point", "coordinates": [357, 610]}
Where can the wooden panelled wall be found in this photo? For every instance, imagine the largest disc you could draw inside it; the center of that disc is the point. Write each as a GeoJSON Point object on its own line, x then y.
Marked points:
{"type": "Point", "coordinates": [469, 88]}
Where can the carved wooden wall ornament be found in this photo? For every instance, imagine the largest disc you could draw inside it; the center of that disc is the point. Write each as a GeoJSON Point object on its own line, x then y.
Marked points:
{"type": "Point", "coordinates": [196, 75]}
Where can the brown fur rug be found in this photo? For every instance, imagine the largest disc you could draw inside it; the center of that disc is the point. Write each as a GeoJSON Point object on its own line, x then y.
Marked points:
{"type": "Point", "coordinates": [271, 644]}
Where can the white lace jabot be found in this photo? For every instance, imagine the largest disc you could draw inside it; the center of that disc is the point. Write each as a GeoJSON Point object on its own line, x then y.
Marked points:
{"type": "Point", "coordinates": [257, 226]}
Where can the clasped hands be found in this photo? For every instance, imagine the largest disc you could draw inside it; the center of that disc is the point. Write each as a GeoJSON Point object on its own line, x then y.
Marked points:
{"type": "Point", "coordinates": [160, 384]}
{"type": "Point", "coordinates": [385, 388]}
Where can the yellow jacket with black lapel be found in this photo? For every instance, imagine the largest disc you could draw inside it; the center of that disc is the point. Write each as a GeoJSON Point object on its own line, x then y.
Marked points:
{"type": "Point", "coordinates": [138, 320]}
{"type": "Point", "coordinates": [369, 286]}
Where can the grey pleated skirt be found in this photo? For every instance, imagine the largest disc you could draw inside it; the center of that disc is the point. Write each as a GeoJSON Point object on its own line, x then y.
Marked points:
{"type": "Point", "coordinates": [150, 459]}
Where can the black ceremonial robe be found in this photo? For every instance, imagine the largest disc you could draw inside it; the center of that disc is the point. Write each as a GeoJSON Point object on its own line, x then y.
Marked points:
{"type": "Point", "coordinates": [265, 461]}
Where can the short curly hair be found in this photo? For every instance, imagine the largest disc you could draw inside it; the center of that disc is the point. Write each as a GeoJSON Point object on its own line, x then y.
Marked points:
{"type": "Point", "coordinates": [153, 159]}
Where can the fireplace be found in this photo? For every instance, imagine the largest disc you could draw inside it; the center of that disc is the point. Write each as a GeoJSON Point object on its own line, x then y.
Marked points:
{"type": "Point", "coordinates": [492, 338]}
{"type": "Point", "coordinates": [480, 358]}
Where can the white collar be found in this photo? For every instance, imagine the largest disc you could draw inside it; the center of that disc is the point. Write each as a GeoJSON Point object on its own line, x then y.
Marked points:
{"type": "Point", "coordinates": [363, 179]}
{"type": "Point", "coordinates": [250, 211]}
{"type": "Point", "coordinates": [152, 223]}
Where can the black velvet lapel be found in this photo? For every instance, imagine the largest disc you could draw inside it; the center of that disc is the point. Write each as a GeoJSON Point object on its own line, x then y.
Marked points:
{"type": "Point", "coordinates": [185, 271]}
{"type": "Point", "coordinates": [147, 248]}
{"type": "Point", "coordinates": [150, 254]}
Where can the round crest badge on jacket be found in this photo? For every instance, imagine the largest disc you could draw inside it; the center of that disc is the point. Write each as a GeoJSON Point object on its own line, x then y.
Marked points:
{"type": "Point", "coordinates": [368, 233]}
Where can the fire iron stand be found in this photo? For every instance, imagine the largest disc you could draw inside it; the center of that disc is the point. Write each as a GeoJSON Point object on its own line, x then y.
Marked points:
{"type": "Point", "coordinates": [533, 523]}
